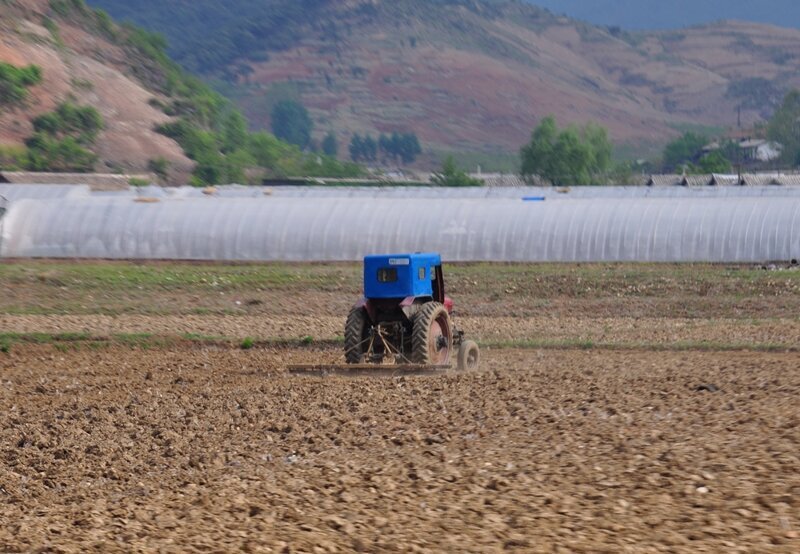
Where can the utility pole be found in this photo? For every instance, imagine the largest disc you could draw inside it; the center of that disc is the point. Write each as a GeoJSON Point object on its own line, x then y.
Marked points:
{"type": "Point", "coordinates": [738, 143]}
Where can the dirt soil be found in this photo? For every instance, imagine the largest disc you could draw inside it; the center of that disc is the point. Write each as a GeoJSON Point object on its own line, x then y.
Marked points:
{"type": "Point", "coordinates": [620, 331]}
{"type": "Point", "coordinates": [208, 449]}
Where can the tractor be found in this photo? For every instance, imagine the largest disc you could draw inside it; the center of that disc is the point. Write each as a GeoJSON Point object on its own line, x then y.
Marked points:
{"type": "Point", "coordinates": [405, 317]}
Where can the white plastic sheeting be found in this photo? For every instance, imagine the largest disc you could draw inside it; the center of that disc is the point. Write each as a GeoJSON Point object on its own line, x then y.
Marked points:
{"type": "Point", "coordinates": [550, 193]}
{"type": "Point", "coordinates": [511, 193]}
{"type": "Point", "coordinates": [13, 192]}
{"type": "Point", "coordinates": [328, 229]}
{"type": "Point", "coordinates": [19, 192]}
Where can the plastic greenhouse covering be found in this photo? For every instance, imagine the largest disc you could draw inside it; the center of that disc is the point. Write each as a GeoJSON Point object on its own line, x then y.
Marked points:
{"type": "Point", "coordinates": [511, 193]}
{"type": "Point", "coordinates": [14, 192]}
{"type": "Point", "coordinates": [327, 229]}
{"type": "Point", "coordinates": [20, 192]}
{"type": "Point", "coordinates": [550, 193]}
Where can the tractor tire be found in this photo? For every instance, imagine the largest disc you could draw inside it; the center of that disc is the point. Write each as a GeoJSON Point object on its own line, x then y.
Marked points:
{"type": "Point", "coordinates": [355, 335]}
{"type": "Point", "coordinates": [468, 356]}
{"type": "Point", "coordinates": [432, 335]}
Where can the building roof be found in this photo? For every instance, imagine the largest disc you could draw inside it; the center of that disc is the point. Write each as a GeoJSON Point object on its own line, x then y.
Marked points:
{"type": "Point", "coordinates": [724, 179]}
{"type": "Point", "coordinates": [760, 179]}
{"type": "Point", "coordinates": [792, 180]}
{"type": "Point", "coordinates": [752, 143]}
{"type": "Point", "coordinates": [665, 180]}
{"type": "Point", "coordinates": [696, 180]}
{"type": "Point", "coordinates": [97, 181]}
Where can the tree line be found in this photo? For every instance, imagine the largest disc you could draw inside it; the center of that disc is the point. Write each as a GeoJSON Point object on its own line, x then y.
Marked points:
{"type": "Point", "coordinates": [396, 148]}
{"type": "Point", "coordinates": [583, 155]}
{"type": "Point", "coordinates": [290, 121]}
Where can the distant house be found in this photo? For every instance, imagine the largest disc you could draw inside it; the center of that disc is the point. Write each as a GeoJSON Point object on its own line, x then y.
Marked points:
{"type": "Point", "coordinates": [96, 181]}
{"type": "Point", "coordinates": [760, 150]}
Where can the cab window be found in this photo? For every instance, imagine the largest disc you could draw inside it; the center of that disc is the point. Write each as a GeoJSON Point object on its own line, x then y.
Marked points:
{"type": "Point", "coordinates": [387, 275]}
{"type": "Point", "coordinates": [421, 273]}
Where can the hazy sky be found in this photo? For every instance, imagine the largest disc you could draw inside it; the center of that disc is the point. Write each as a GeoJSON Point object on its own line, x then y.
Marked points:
{"type": "Point", "coordinates": [670, 14]}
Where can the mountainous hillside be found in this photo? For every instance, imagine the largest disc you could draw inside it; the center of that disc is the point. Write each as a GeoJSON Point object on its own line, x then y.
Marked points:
{"type": "Point", "coordinates": [83, 63]}
{"type": "Point", "coordinates": [81, 93]}
{"type": "Point", "coordinates": [657, 14]}
{"type": "Point", "coordinates": [473, 75]}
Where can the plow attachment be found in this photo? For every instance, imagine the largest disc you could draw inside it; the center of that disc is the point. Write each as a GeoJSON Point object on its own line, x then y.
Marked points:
{"type": "Point", "coordinates": [371, 370]}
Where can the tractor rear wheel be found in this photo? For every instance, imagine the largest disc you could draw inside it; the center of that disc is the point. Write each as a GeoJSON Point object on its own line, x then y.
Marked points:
{"type": "Point", "coordinates": [468, 356]}
{"type": "Point", "coordinates": [432, 336]}
{"type": "Point", "coordinates": [356, 335]}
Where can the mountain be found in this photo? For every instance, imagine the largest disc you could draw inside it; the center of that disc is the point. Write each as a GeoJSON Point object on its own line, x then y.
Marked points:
{"type": "Point", "coordinates": [81, 93]}
{"type": "Point", "coordinates": [657, 14]}
{"type": "Point", "coordinates": [473, 75]}
{"type": "Point", "coordinates": [83, 62]}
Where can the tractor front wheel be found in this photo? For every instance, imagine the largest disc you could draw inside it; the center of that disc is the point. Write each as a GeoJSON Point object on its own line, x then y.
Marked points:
{"type": "Point", "coordinates": [356, 336]}
{"type": "Point", "coordinates": [432, 336]}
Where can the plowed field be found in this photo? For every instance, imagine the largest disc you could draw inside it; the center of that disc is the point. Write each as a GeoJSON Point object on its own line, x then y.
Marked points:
{"type": "Point", "coordinates": [632, 443]}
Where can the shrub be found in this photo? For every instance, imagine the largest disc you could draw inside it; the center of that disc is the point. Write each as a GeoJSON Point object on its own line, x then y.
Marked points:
{"type": "Point", "coordinates": [46, 153]}
{"type": "Point", "coordinates": [248, 343]}
{"type": "Point", "coordinates": [159, 166]}
{"type": "Point", "coordinates": [79, 122]}
{"type": "Point", "coordinates": [15, 81]}
{"type": "Point", "coordinates": [451, 176]}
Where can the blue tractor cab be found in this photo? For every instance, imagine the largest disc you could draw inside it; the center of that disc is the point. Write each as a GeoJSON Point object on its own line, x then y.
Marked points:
{"type": "Point", "coordinates": [405, 315]}
{"type": "Point", "coordinates": [401, 275]}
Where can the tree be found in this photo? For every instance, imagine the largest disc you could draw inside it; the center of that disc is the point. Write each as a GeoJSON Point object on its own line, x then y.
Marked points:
{"type": "Point", "coordinates": [683, 150]}
{"type": "Point", "coordinates": [330, 146]}
{"type": "Point", "coordinates": [575, 156]}
{"type": "Point", "coordinates": [363, 149]}
{"type": "Point", "coordinates": [385, 147]}
{"type": "Point", "coordinates": [234, 132]}
{"type": "Point", "coordinates": [291, 122]}
{"type": "Point", "coordinates": [784, 127]}
{"type": "Point", "coordinates": [408, 148]}
{"type": "Point", "coordinates": [370, 149]}
{"type": "Point", "coordinates": [714, 162]}
{"type": "Point", "coordinates": [451, 176]}
{"type": "Point", "coordinates": [356, 148]}
{"type": "Point", "coordinates": [399, 147]}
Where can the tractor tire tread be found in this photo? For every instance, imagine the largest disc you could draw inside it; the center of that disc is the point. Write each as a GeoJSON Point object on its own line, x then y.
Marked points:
{"type": "Point", "coordinates": [420, 352]}
{"type": "Point", "coordinates": [354, 335]}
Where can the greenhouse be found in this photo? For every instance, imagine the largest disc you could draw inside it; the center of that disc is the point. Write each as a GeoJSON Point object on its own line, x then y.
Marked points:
{"type": "Point", "coordinates": [13, 192]}
{"type": "Point", "coordinates": [754, 229]}
{"type": "Point", "coordinates": [510, 193]}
